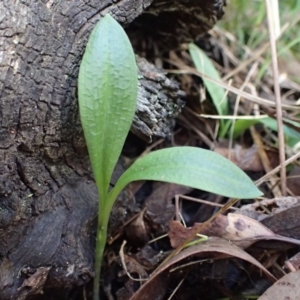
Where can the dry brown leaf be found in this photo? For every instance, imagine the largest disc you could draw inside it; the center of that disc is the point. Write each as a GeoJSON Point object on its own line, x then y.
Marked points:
{"type": "Point", "coordinates": [285, 222]}
{"type": "Point", "coordinates": [294, 261]}
{"type": "Point", "coordinates": [160, 209]}
{"type": "Point", "coordinates": [244, 231]}
{"type": "Point", "coordinates": [286, 288]}
{"type": "Point", "coordinates": [158, 212]}
{"type": "Point", "coordinates": [178, 233]}
{"type": "Point", "coordinates": [264, 209]}
{"type": "Point", "coordinates": [293, 180]}
{"type": "Point", "coordinates": [34, 284]}
{"type": "Point", "coordinates": [137, 231]}
{"type": "Point", "coordinates": [156, 286]}
{"type": "Point", "coordinates": [247, 159]}
{"type": "Point", "coordinates": [239, 229]}
{"type": "Point", "coordinates": [132, 266]}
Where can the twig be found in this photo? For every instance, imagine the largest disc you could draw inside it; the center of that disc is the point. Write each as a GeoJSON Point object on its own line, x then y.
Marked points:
{"type": "Point", "coordinates": [275, 170]}
{"type": "Point", "coordinates": [122, 256]}
{"type": "Point", "coordinates": [197, 131]}
{"type": "Point", "coordinates": [184, 69]}
{"type": "Point", "coordinates": [200, 201]}
{"type": "Point", "coordinates": [234, 117]}
{"type": "Point", "coordinates": [281, 145]}
{"type": "Point", "coordinates": [177, 287]}
{"type": "Point", "coordinates": [265, 160]}
{"type": "Point", "coordinates": [236, 106]}
{"type": "Point", "coordinates": [255, 56]}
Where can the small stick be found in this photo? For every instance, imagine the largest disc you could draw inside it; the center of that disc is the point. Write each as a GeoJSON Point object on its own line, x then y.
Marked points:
{"type": "Point", "coordinates": [275, 170]}
{"type": "Point", "coordinates": [265, 161]}
{"type": "Point", "coordinates": [277, 97]}
{"type": "Point", "coordinates": [122, 256]}
{"type": "Point", "coordinates": [202, 201]}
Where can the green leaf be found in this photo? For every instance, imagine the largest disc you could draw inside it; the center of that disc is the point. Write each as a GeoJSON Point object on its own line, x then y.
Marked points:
{"type": "Point", "coordinates": [291, 135]}
{"type": "Point", "coordinates": [288, 131]}
{"type": "Point", "coordinates": [107, 91]}
{"type": "Point", "coordinates": [190, 166]}
{"type": "Point", "coordinates": [240, 126]}
{"type": "Point", "coordinates": [204, 65]}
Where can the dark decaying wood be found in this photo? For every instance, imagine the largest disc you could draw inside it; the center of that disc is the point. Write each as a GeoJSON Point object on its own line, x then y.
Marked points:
{"type": "Point", "coordinates": [181, 21]}
{"type": "Point", "coordinates": [159, 102]}
{"type": "Point", "coordinates": [47, 195]}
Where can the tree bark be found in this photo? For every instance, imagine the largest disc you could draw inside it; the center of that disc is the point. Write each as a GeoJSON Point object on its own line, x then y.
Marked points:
{"type": "Point", "coordinates": [48, 198]}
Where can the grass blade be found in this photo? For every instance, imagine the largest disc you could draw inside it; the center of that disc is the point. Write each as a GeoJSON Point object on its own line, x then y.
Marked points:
{"type": "Point", "coordinates": [217, 93]}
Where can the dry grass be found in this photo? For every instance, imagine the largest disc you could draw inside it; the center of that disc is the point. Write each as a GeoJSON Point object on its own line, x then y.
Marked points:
{"type": "Point", "coordinates": [260, 85]}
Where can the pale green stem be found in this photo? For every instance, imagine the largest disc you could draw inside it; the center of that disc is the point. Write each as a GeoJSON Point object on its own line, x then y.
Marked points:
{"type": "Point", "coordinates": [103, 219]}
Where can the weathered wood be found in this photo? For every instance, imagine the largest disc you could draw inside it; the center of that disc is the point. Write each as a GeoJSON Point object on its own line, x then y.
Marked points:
{"type": "Point", "coordinates": [47, 195]}
{"type": "Point", "coordinates": [168, 24]}
{"type": "Point", "coordinates": [159, 101]}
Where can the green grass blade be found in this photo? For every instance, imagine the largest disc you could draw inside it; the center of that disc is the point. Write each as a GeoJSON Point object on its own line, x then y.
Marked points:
{"type": "Point", "coordinates": [107, 91]}
{"type": "Point", "coordinates": [204, 65]}
{"type": "Point", "coordinates": [291, 135]}
{"type": "Point", "coordinates": [240, 126]}
{"type": "Point", "coordinates": [190, 166]}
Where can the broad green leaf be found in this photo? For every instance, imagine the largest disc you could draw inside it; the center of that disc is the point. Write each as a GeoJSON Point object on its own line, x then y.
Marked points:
{"type": "Point", "coordinates": [107, 91]}
{"type": "Point", "coordinates": [190, 166]}
{"type": "Point", "coordinates": [204, 65]}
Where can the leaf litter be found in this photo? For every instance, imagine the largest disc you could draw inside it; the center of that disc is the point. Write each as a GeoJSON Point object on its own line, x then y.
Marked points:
{"type": "Point", "coordinates": [238, 229]}
{"type": "Point", "coordinates": [215, 248]}
{"type": "Point", "coordinates": [227, 234]}
{"type": "Point", "coordinates": [286, 287]}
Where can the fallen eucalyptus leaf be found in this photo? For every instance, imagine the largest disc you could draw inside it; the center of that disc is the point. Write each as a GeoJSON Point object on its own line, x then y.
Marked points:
{"type": "Point", "coordinates": [285, 222]}
{"type": "Point", "coordinates": [244, 231]}
{"type": "Point", "coordinates": [247, 159]}
{"type": "Point", "coordinates": [239, 229]}
{"type": "Point", "coordinates": [160, 209]}
{"type": "Point", "coordinates": [258, 210]}
{"type": "Point", "coordinates": [286, 287]}
{"type": "Point", "coordinates": [156, 286]}
{"type": "Point", "coordinates": [293, 262]}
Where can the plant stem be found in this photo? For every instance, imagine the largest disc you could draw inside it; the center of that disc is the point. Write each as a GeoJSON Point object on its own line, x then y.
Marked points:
{"type": "Point", "coordinates": [103, 218]}
{"type": "Point", "coordinates": [104, 210]}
